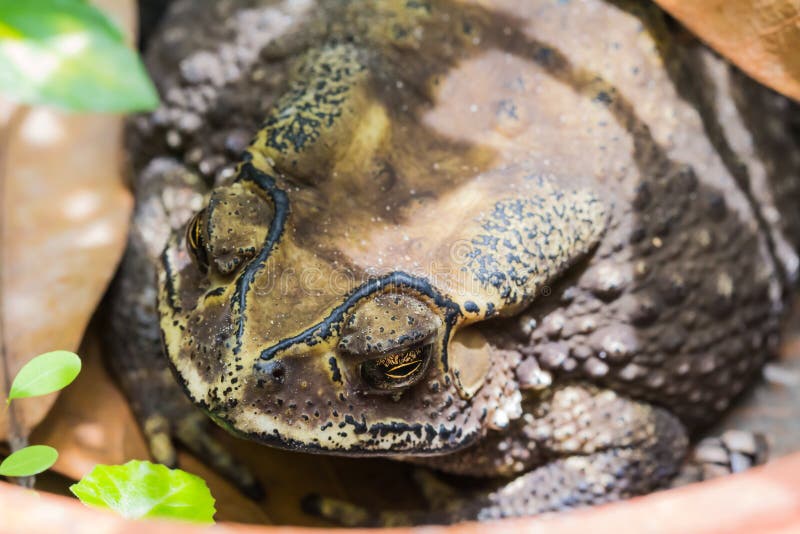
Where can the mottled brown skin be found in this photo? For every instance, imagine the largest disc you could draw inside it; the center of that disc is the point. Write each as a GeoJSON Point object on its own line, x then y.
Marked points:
{"type": "Point", "coordinates": [489, 238]}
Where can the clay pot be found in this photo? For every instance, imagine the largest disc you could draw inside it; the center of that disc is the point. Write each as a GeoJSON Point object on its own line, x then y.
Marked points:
{"type": "Point", "coordinates": [764, 500]}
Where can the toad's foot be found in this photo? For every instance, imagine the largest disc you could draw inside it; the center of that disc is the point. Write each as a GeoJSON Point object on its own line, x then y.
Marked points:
{"type": "Point", "coordinates": [563, 484]}
{"type": "Point", "coordinates": [624, 448]}
{"type": "Point", "coordinates": [193, 430]}
{"type": "Point", "coordinates": [347, 514]}
{"type": "Point", "coordinates": [732, 452]}
{"type": "Point", "coordinates": [164, 413]}
{"type": "Point", "coordinates": [442, 499]}
{"type": "Point", "coordinates": [168, 418]}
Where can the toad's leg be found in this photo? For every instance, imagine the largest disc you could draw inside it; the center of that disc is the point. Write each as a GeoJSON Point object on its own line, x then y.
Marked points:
{"type": "Point", "coordinates": [732, 452]}
{"type": "Point", "coordinates": [578, 446]}
{"type": "Point", "coordinates": [167, 194]}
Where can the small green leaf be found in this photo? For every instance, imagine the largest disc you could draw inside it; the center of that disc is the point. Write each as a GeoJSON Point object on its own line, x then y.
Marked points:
{"type": "Point", "coordinates": [143, 489]}
{"type": "Point", "coordinates": [45, 374]}
{"type": "Point", "coordinates": [29, 461]}
{"type": "Point", "coordinates": [66, 53]}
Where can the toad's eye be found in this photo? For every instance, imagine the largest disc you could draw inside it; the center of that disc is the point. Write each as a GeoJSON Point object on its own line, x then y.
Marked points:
{"type": "Point", "coordinates": [396, 370]}
{"type": "Point", "coordinates": [196, 240]}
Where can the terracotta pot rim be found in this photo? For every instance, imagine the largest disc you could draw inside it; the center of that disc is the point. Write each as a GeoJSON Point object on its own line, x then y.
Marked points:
{"type": "Point", "coordinates": [765, 500]}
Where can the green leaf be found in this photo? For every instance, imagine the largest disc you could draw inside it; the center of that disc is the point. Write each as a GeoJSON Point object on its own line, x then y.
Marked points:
{"type": "Point", "coordinates": [66, 53]}
{"type": "Point", "coordinates": [45, 374]}
{"type": "Point", "coordinates": [143, 489]}
{"type": "Point", "coordinates": [29, 461]}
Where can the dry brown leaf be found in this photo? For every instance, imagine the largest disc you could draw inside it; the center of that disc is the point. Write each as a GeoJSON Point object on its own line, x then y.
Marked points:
{"type": "Point", "coordinates": [65, 212]}
{"type": "Point", "coordinates": [761, 37]}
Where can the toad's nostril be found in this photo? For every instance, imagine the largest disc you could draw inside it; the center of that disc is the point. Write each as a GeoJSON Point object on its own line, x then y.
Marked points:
{"type": "Point", "coordinates": [277, 374]}
{"type": "Point", "coordinates": [270, 374]}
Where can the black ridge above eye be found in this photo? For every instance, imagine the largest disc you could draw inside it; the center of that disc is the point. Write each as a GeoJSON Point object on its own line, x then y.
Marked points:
{"type": "Point", "coordinates": [396, 370]}
{"type": "Point", "coordinates": [196, 240]}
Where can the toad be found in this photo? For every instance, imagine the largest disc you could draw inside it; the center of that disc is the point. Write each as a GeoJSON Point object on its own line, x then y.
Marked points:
{"type": "Point", "coordinates": [544, 243]}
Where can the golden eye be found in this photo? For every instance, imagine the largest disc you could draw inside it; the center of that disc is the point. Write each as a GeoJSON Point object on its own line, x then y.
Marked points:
{"type": "Point", "coordinates": [403, 370]}
{"type": "Point", "coordinates": [196, 241]}
{"type": "Point", "coordinates": [396, 370]}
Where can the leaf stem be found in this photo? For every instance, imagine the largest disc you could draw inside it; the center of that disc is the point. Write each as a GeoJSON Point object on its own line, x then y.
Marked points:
{"type": "Point", "coordinates": [16, 437]}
